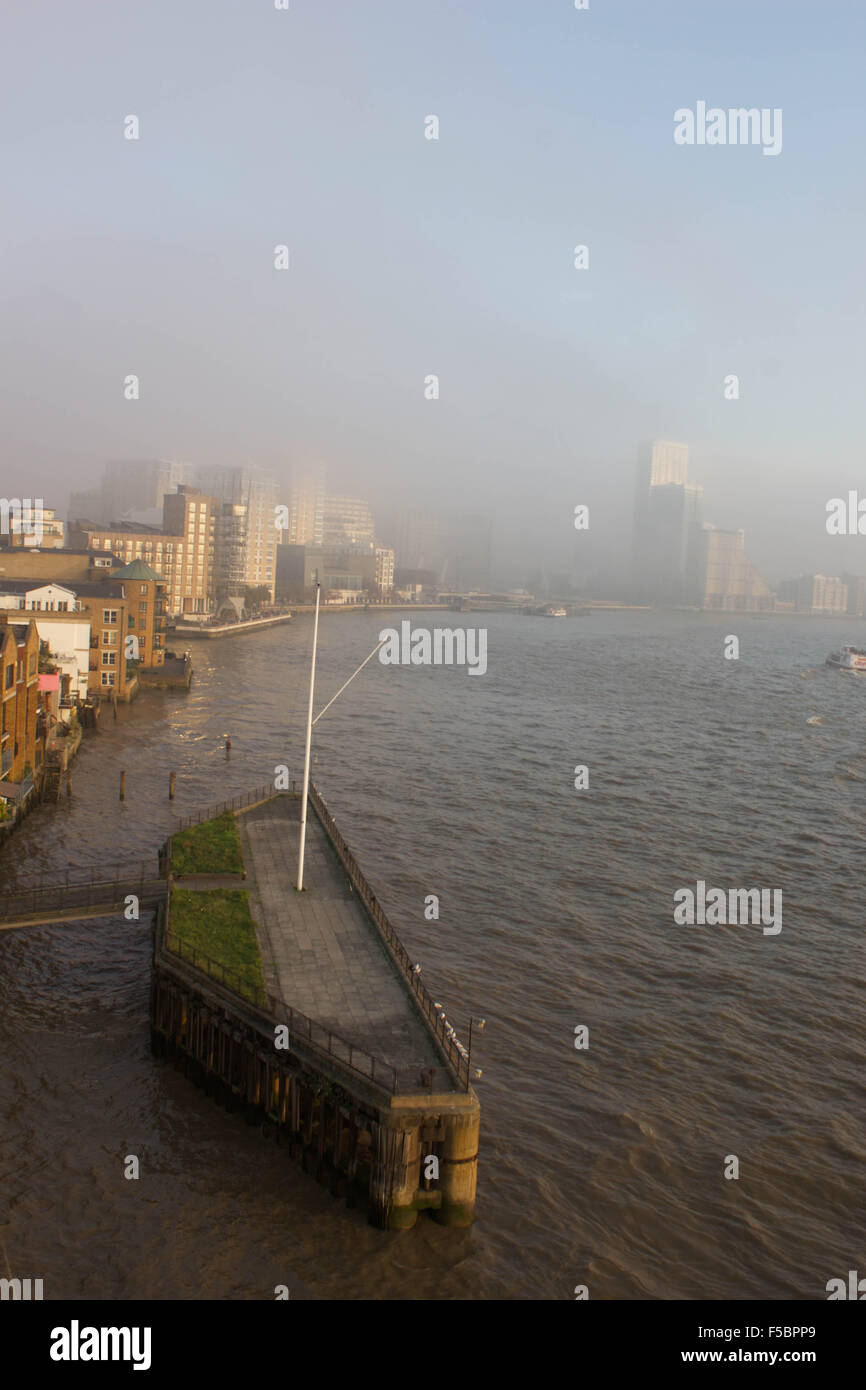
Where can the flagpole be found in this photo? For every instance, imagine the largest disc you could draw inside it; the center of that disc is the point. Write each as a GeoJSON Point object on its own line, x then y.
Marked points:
{"type": "Point", "coordinates": [305, 793]}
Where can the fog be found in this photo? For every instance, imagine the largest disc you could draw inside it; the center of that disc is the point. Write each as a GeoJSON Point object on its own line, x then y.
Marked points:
{"type": "Point", "coordinates": [454, 257]}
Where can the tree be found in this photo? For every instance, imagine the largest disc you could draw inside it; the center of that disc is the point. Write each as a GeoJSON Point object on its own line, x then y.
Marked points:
{"type": "Point", "coordinates": [255, 597]}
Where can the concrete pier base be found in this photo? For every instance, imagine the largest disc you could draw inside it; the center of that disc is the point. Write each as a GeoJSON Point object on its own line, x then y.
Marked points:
{"type": "Point", "coordinates": [458, 1170]}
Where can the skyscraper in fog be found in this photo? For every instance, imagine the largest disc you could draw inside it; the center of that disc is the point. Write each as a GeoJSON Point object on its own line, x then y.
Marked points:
{"type": "Point", "coordinates": [347, 521]}
{"type": "Point", "coordinates": [667, 463]}
{"type": "Point", "coordinates": [131, 490]}
{"type": "Point", "coordinates": [667, 523]}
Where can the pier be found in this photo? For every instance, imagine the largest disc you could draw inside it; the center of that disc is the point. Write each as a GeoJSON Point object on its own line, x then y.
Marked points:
{"type": "Point", "coordinates": [371, 1091]}
{"type": "Point", "coordinates": [329, 1041]}
{"type": "Point", "coordinates": [182, 629]}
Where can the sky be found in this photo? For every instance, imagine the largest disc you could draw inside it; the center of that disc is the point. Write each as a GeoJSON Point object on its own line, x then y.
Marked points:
{"type": "Point", "coordinates": [455, 257]}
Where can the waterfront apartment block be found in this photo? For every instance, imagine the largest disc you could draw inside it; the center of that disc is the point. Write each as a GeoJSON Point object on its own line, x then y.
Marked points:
{"type": "Point", "coordinates": [146, 594]}
{"type": "Point", "coordinates": [384, 573]}
{"type": "Point", "coordinates": [306, 519]}
{"type": "Point", "coordinates": [66, 638]}
{"type": "Point", "coordinates": [184, 561]}
{"type": "Point", "coordinates": [250, 498]}
{"type": "Point", "coordinates": [731, 584]}
{"type": "Point", "coordinates": [347, 523]}
{"type": "Point", "coordinates": [817, 593]}
{"type": "Point", "coordinates": [19, 699]}
{"type": "Point", "coordinates": [98, 633]}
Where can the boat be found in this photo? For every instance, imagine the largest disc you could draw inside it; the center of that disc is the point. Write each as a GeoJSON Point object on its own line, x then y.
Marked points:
{"type": "Point", "coordinates": [552, 612]}
{"type": "Point", "coordinates": [850, 659]}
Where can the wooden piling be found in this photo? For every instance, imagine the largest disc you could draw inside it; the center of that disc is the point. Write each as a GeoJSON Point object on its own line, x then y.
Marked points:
{"type": "Point", "coordinates": [171, 780]}
{"type": "Point", "coordinates": [123, 786]}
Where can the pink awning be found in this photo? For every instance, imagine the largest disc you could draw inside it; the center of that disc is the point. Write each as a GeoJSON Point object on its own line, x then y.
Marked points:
{"type": "Point", "coordinates": [49, 682]}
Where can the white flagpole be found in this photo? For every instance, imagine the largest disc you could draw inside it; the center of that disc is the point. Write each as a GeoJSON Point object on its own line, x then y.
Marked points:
{"type": "Point", "coordinates": [306, 790]}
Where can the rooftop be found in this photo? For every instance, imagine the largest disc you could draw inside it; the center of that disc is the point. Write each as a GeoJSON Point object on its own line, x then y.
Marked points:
{"type": "Point", "coordinates": [137, 569]}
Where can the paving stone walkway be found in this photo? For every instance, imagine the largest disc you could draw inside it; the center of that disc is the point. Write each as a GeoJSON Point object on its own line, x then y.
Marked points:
{"type": "Point", "coordinates": [320, 951]}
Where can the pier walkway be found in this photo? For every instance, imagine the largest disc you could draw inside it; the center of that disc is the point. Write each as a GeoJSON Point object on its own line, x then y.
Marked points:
{"type": "Point", "coordinates": [321, 953]}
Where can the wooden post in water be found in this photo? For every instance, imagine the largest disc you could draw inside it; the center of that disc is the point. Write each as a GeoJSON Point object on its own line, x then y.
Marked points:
{"type": "Point", "coordinates": [171, 781]}
{"type": "Point", "coordinates": [395, 1175]}
{"type": "Point", "coordinates": [123, 786]}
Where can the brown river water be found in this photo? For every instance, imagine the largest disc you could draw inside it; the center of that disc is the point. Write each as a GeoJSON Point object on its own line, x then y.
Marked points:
{"type": "Point", "coordinates": [602, 1167]}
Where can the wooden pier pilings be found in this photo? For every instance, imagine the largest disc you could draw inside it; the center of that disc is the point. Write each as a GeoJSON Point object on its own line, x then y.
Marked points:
{"type": "Point", "coordinates": [365, 1147]}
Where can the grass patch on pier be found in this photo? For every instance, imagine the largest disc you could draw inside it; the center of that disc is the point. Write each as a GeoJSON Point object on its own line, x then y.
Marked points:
{"type": "Point", "coordinates": [216, 926]}
{"type": "Point", "coordinates": [214, 847]}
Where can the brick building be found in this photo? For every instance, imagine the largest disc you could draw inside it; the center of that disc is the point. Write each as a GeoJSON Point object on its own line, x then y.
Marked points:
{"type": "Point", "coordinates": [19, 699]}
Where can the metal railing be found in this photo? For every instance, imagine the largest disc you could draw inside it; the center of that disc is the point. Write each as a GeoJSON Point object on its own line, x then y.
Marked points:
{"type": "Point", "coordinates": [327, 1045]}
{"type": "Point", "coordinates": [447, 1040]}
{"type": "Point", "coordinates": [97, 891]}
{"type": "Point", "coordinates": [234, 803]}
{"type": "Point", "coordinates": [83, 876]}
{"type": "Point", "coordinates": [457, 1056]}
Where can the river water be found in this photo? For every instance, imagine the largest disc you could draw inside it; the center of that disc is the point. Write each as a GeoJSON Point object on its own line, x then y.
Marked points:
{"type": "Point", "coordinates": [603, 1166]}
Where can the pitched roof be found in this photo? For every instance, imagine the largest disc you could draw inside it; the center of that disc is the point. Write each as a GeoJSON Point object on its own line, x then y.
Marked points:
{"type": "Point", "coordinates": [137, 569]}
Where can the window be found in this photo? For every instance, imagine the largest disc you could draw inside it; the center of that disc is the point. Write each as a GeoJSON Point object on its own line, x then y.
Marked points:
{"type": "Point", "coordinates": [142, 608]}
{"type": "Point", "coordinates": [143, 589]}
{"type": "Point", "coordinates": [10, 677]}
{"type": "Point", "coordinates": [109, 615]}
{"type": "Point", "coordinates": [109, 639]}
{"type": "Point", "coordinates": [131, 621]}
{"type": "Point", "coordinates": [108, 677]}
{"type": "Point", "coordinates": [31, 666]}
{"type": "Point", "coordinates": [109, 658]}
{"type": "Point", "coordinates": [63, 607]}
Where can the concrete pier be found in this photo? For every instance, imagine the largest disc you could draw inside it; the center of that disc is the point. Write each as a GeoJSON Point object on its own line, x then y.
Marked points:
{"type": "Point", "coordinates": [372, 1084]}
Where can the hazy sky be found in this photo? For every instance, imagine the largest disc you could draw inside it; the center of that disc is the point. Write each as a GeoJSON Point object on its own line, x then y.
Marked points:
{"type": "Point", "coordinates": [412, 256]}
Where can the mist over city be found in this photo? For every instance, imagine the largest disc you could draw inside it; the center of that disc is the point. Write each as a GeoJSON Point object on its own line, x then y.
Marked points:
{"type": "Point", "coordinates": [451, 256]}
{"type": "Point", "coordinates": [432, 604]}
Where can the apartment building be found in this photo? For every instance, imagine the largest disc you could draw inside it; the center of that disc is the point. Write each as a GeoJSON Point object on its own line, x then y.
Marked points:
{"type": "Point", "coordinates": [347, 522]}
{"type": "Point", "coordinates": [132, 490]}
{"type": "Point", "coordinates": [250, 499]}
{"type": "Point", "coordinates": [38, 523]}
{"type": "Point", "coordinates": [67, 637]}
{"type": "Point", "coordinates": [384, 571]}
{"type": "Point", "coordinates": [146, 594]}
{"type": "Point", "coordinates": [19, 699]}
{"type": "Point", "coordinates": [183, 560]}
